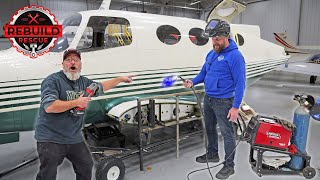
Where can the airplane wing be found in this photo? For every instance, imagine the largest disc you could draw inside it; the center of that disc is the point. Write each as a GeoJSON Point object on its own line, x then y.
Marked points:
{"type": "Point", "coordinates": [309, 67]}
{"type": "Point", "coordinates": [226, 10]}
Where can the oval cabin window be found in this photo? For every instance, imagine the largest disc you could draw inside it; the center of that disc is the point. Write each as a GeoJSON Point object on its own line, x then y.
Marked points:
{"type": "Point", "coordinates": [239, 39]}
{"type": "Point", "coordinates": [196, 36]}
{"type": "Point", "coordinates": [168, 34]}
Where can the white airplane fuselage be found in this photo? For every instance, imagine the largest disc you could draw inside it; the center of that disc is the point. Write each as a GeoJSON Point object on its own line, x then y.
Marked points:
{"type": "Point", "coordinates": [146, 56]}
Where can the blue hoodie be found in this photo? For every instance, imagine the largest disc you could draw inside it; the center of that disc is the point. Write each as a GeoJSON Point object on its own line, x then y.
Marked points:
{"type": "Point", "coordinates": [224, 74]}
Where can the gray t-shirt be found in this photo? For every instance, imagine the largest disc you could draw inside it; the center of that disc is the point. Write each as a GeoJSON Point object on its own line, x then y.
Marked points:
{"type": "Point", "coordinates": [61, 128]}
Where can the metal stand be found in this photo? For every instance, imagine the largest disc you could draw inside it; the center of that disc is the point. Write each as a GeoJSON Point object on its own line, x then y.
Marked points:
{"type": "Point", "coordinates": [140, 138]}
{"type": "Point", "coordinates": [262, 169]}
{"type": "Point", "coordinates": [177, 126]}
{"type": "Point", "coordinates": [177, 121]}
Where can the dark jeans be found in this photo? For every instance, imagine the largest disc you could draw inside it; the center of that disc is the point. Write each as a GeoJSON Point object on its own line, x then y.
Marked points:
{"type": "Point", "coordinates": [215, 112]}
{"type": "Point", "coordinates": [51, 156]}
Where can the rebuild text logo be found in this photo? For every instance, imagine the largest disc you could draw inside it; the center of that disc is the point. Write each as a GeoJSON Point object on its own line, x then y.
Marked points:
{"type": "Point", "coordinates": [33, 31]}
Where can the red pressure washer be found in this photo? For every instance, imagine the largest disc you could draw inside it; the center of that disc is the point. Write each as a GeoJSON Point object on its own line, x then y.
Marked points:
{"type": "Point", "coordinates": [283, 137]}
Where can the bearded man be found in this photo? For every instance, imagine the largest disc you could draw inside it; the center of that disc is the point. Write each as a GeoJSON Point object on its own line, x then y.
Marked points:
{"type": "Point", "coordinates": [224, 78]}
{"type": "Point", "coordinates": [58, 130]}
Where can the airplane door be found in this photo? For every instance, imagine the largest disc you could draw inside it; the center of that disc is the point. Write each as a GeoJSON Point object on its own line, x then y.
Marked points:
{"type": "Point", "coordinates": [107, 51]}
{"type": "Point", "coordinates": [106, 45]}
{"type": "Point", "coordinates": [226, 10]}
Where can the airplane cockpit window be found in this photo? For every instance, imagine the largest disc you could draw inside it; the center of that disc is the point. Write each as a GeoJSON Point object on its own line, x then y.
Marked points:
{"type": "Point", "coordinates": [197, 38]}
{"type": "Point", "coordinates": [86, 39]}
{"type": "Point", "coordinates": [168, 34]}
{"type": "Point", "coordinates": [70, 27]}
{"type": "Point", "coordinates": [105, 32]}
{"type": "Point", "coordinates": [239, 39]}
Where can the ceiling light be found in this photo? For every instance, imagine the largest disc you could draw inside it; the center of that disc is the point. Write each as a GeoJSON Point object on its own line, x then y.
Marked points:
{"type": "Point", "coordinates": [194, 3]}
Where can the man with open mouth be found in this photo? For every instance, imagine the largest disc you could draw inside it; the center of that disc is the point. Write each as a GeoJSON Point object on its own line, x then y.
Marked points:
{"type": "Point", "coordinates": [58, 128]}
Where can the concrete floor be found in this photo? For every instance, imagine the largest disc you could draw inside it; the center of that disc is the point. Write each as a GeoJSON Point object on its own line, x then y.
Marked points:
{"type": "Point", "coordinates": [264, 96]}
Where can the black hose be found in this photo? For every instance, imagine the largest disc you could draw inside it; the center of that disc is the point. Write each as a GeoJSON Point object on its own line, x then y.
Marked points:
{"type": "Point", "coordinates": [198, 170]}
{"type": "Point", "coordinates": [206, 138]}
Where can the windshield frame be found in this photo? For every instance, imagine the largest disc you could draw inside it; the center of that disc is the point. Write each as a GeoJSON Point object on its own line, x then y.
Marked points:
{"type": "Point", "coordinates": [75, 22]}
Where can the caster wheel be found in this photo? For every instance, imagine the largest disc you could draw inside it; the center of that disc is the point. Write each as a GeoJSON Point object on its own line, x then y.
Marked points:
{"type": "Point", "coordinates": [110, 168]}
{"type": "Point", "coordinates": [309, 172]}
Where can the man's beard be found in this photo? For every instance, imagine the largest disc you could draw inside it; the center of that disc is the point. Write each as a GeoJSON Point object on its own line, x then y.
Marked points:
{"type": "Point", "coordinates": [220, 48]}
{"type": "Point", "coordinates": [72, 76]}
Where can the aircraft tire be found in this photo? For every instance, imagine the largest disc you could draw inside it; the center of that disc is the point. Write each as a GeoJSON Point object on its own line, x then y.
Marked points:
{"type": "Point", "coordinates": [110, 168]}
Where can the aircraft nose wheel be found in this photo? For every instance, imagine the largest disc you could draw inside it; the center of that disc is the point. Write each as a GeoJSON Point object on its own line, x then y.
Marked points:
{"type": "Point", "coordinates": [110, 168]}
{"type": "Point", "coordinates": [309, 172]}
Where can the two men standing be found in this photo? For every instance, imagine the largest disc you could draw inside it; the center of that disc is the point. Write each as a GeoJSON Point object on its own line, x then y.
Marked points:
{"type": "Point", "coordinates": [58, 131]}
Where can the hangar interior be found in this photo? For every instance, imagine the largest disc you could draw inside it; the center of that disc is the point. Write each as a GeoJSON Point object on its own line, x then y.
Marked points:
{"type": "Point", "coordinates": [296, 17]}
{"type": "Point", "coordinates": [269, 96]}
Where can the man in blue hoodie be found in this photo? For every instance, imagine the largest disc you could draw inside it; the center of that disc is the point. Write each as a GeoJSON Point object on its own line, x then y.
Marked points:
{"type": "Point", "coordinates": [224, 77]}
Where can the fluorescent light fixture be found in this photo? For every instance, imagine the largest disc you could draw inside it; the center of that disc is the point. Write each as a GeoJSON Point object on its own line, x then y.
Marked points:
{"type": "Point", "coordinates": [194, 3]}
{"type": "Point", "coordinates": [300, 65]}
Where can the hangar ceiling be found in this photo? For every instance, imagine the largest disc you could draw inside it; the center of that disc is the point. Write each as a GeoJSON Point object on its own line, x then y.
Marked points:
{"type": "Point", "coordinates": [186, 4]}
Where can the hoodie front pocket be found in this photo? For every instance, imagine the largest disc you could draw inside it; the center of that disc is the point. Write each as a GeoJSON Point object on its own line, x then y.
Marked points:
{"type": "Point", "coordinates": [224, 83]}
{"type": "Point", "coordinates": [211, 83]}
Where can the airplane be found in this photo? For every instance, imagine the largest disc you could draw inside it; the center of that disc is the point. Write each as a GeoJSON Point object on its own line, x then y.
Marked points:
{"type": "Point", "coordinates": [310, 66]}
{"type": "Point", "coordinates": [283, 40]}
{"type": "Point", "coordinates": [120, 42]}
{"type": "Point", "coordinates": [116, 43]}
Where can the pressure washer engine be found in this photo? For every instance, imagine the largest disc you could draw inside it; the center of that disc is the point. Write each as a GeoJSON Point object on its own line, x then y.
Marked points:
{"type": "Point", "coordinates": [278, 136]}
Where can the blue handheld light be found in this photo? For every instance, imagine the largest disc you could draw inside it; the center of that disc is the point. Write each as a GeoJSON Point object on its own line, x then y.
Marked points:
{"type": "Point", "coordinates": [169, 81]}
